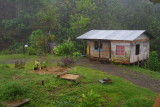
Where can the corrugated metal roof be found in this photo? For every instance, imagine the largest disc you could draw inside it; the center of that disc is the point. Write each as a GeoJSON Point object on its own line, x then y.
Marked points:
{"type": "Point", "coordinates": [128, 35]}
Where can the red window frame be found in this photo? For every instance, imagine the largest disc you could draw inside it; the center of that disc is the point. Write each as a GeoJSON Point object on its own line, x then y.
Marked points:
{"type": "Point", "coordinates": [120, 50]}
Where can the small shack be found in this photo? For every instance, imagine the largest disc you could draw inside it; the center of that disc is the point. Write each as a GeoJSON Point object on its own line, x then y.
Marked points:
{"type": "Point", "coordinates": [121, 46]}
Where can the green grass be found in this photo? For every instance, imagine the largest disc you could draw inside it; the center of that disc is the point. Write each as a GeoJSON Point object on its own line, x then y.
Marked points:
{"type": "Point", "coordinates": [15, 56]}
{"type": "Point", "coordinates": [62, 93]}
{"type": "Point", "coordinates": [28, 57]}
{"type": "Point", "coordinates": [147, 72]}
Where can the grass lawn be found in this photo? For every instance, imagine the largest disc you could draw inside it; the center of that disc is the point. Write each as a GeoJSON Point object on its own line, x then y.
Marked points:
{"type": "Point", "coordinates": [62, 93]}
{"type": "Point", "coordinates": [147, 72]}
{"type": "Point", "coordinates": [21, 56]}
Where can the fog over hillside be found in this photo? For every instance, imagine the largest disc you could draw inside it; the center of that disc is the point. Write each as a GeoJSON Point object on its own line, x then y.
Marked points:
{"type": "Point", "coordinates": [71, 18]}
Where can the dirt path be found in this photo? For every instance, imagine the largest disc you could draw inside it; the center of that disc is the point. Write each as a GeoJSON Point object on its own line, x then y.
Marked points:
{"type": "Point", "coordinates": [134, 77]}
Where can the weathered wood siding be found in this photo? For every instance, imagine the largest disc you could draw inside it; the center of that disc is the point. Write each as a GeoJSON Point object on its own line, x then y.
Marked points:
{"type": "Point", "coordinates": [120, 58]}
{"type": "Point", "coordinates": [104, 52]}
{"type": "Point", "coordinates": [144, 43]}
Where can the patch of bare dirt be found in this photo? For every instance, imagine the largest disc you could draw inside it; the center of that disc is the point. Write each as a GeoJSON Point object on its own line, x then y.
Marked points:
{"type": "Point", "coordinates": [51, 70]}
{"type": "Point", "coordinates": [157, 102]}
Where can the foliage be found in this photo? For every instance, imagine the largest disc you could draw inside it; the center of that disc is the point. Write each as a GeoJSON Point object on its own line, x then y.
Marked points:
{"type": "Point", "coordinates": [20, 64]}
{"type": "Point", "coordinates": [76, 54]}
{"type": "Point", "coordinates": [65, 49]}
{"type": "Point", "coordinates": [91, 99]}
{"type": "Point", "coordinates": [58, 92]}
{"type": "Point", "coordinates": [66, 62]}
{"type": "Point", "coordinates": [40, 65]}
{"type": "Point", "coordinates": [51, 38]}
{"type": "Point", "coordinates": [13, 90]}
{"type": "Point", "coordinates": [6, 51]}
{"type": "Point", "coordinates": [153, 61]}
{"type": "Point", "coordinates": [71, 18]}
{"type": "Point", "coordinates": [44, 64]}
{"type": "Point", "coordinates": [31, 51]}
{"type": "Point", "coordinates": [48, 16]}
{"type": "Point", "coordinates": [36, 35]}
{"type": "Point", "coordinates": [4, 66]}
{"type": "Point", "coordinates": [39, 41]}
{"type": "Point", "coordinates": [115, 61]}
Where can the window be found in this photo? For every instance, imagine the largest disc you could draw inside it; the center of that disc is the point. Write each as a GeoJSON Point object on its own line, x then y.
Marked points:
{"type": "Point", "coordinates": [96, 45]}
{"type": "Point", "coordinates": [137, 49]}
{"type": "Point", "coordinates": [120, 50]}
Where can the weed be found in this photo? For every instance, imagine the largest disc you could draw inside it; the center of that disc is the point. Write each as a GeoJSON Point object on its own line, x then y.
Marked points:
{"type": "Point", "coordinates": [20, 64]}
{"type": "Point", "coordinates": [66, 62]}
{"type": "Point", "coordinates": [12, 90]}
{"type": "Point", "coordinates": [91, 99]}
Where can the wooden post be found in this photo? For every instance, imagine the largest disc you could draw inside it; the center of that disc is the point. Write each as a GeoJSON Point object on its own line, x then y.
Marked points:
{"type": "Point", "coordinates": [99, 50]}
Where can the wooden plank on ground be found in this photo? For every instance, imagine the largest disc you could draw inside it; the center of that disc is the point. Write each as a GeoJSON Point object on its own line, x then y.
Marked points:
{"type": "Point", "coordinates": [15, 103]}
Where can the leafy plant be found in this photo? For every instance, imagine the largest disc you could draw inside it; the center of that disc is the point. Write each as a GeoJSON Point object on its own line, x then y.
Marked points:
{"type": "Point", "coordinates": [20, 64]}
{"type": "Point", "coordinates": [31, 51]}
{"type": "Point", "coordinates": [35, 36]}
{"type": "Point", "coordinates": [76, 54]}
{"type": "Point", "coordinates": [153, 61]}
{"type": "Point", "coordinates": [66, 62]}
{"type": "Point", "coordinates": [37, 65]}
{"type": "Point", "coordinates": [6, 51]}
{"type": "Point", "coordinates": [12, 90]}
{"type": "Point", "coordinates": [91, 99]}
{"type": "Point", "coordinates": [40, 65]}
{"type": "Point", "coordinates": [65, 49]}
{"type": "Point", "coordinates": [4, 66]}
{"type": "Point", "coordinates": [44, 64]}
{"type": "Point", "coordinates": [114, 61]}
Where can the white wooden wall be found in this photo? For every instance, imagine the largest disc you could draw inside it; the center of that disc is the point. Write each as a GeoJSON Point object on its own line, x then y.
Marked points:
{"type": "Point", "coordinates": [122, 58]}
{"type": "Point", "coordinates": [144, 49]}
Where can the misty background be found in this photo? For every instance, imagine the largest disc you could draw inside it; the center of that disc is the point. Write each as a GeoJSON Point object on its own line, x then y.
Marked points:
{"type": "Point", "coordinates": [71, 18]}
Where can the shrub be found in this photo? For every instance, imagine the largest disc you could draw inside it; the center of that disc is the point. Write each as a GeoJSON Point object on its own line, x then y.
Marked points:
{"type": "Point", "coordinates": [66, 62]}
{"type": "Point", "coordinates": [37, 65]}
{"type": "Point", "coordinates": [65, 49]}
{"type": "Point", "coordinates": [12, 90]}
{"type": "Point", "coordinates": [31, 51]}
{"type": "Point", "coordinates": [6, 51]}
{"type": "Point", "coordinates": [4, 66]}
{"type": "Point", "coordinates": [153, 61]}
{"type": "Point", "coordinates": [76, 54]}
{"type": "Point", "coordinates": [40, 65]}
{"type": "Point", "coordinates": [44, 64]}
{"type": "Point", "coordinates": [144, 64]}
{"type": "Point", "coordinates": [115, 61]}
{"type": "Point", "coordinates": [35, 36]}
{"type": "Point", "coordinates": [91, 99]}
{"type": "Point", "coordinates": [19, 64]}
